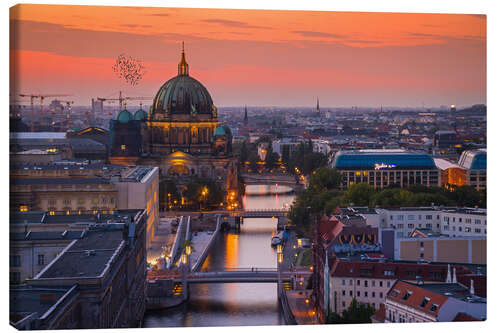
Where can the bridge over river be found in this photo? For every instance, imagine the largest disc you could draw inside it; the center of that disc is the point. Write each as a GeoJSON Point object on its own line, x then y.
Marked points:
{"type": "Point", "coordinates": [273, 179]}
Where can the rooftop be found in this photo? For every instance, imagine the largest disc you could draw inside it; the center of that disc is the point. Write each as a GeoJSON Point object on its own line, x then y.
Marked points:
{"type": "Point", "coordinates": [59, 181]}
{"type": "Point", "coordinates": [382, 159]}
{"type": "Point", "coordinates": [38, 135]}
{"type": "Point", "coordinates": [473, 159]}
{"type": "Point", "coordinates": [87, 257]}
{"type": "Point", "coordinates": [25, 300]}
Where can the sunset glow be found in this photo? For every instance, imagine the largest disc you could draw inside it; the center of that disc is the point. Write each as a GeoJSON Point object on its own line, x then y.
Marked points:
{"type": "Point", "coordinates": [254, 57]}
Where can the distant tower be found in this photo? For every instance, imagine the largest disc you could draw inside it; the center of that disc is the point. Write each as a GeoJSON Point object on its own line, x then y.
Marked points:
{"type": "Point", "coordinates": [453, 116]}
{"type": "Point", "coordinates": [245, 120]}
{"type": "Point", "coordinates": [317, 106]}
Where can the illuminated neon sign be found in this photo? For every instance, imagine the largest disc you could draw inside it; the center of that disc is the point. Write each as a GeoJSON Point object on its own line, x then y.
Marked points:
{"type": "Point", "coordinates": [381, 166]}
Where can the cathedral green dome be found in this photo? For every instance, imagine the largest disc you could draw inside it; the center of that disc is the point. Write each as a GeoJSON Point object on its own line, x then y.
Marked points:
{"type": "Point", "coordinates": [124, 117]}
{"type": "Point", "coordinates": [140, 115]}
{"type": "Point", "coordinates": [183, 94]}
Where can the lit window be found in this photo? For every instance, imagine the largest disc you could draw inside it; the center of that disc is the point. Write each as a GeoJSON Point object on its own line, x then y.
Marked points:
{"type": "Point", "coordinates": [23, 208]}
{"type": "Point", "coordinates": [52, 212]}
{"type": "Point", "coordinates": [124, 147]}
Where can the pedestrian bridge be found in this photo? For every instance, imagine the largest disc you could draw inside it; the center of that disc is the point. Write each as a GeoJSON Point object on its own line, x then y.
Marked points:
{"type": "Point", "coordinates": [261, 213]}
{"type": "Point", "coordinates": [241, 275]}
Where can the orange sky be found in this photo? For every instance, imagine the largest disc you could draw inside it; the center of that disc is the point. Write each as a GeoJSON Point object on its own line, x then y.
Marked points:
{"type": "Point", "coordinates": [254, 57]}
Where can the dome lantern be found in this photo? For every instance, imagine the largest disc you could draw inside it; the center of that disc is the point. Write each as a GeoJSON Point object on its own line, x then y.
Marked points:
{"type": "Point", "coordinates": [183, 67]}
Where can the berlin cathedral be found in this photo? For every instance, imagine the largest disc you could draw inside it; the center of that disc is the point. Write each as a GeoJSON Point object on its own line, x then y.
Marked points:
{"type": "Point", "coordinates": [181, 134]}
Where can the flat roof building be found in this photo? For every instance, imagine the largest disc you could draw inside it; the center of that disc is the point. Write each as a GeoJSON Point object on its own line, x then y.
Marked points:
{"type": "Point", "coordinates": [383, 167]}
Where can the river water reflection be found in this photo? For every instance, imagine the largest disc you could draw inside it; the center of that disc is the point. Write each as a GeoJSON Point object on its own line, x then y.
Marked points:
{"type": "Point", "coordinates": [234, 304]}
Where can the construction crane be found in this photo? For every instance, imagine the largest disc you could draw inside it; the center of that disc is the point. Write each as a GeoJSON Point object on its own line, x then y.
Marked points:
{"type": "Point", "coordinates": [32, 98]}
{"type": "Point", "coordinates": [121, 99]}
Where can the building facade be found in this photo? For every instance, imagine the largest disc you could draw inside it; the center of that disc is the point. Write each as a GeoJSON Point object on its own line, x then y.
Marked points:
{"type": "Point", "coordinates": [474, 162]}
{"type": "Point", "coordinates": [383, 167]}
{"type": "Point", "coordinates": [181, 135]}
{"type": "Point", "coordinates": [107, 268]}
{"type": "Point", "coordinates": [369, 282]}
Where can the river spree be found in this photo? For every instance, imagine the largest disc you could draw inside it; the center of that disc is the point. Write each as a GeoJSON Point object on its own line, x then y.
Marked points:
{"type": "Point", "coordinates": [235, 303]}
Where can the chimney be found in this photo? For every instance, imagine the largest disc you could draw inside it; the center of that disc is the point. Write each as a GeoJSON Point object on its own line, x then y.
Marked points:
{"type": "Point", "coordinates": [448, 276]}
{"type": "Point", "coordinates": [472, 292]}
{"type": "Point", "coordinates": [454, 275]}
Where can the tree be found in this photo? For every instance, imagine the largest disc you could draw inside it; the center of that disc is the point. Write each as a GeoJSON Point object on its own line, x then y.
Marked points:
{"type": "Point", "coordinates": [358, 194]}
{"type": "Point", "coordinates": [356, 313]}
{"type": "Point", "coordinates": [325, 178]}
{"type": "Point", "coordinates": [203, 192]}
{"type": "Point", "coordinates": [168, 194]}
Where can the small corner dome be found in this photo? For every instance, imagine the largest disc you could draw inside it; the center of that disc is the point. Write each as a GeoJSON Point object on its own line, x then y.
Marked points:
{"type": "Point", "coordinates": [220, 131]}
{"type": "Point", "coordinates": [140, 115]}
{"type": "Point", "coordinates": [124, 116]}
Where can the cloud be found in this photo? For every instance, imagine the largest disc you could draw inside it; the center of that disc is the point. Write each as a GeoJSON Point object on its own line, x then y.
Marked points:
{"type": "Point", "coordinates": [317, 34]}
{"type": "Point", "coordinates": [136, 25]}
{"type": "Point", "coordinates": [234, 24]}
{"type": "Point", "coordinates": [159, 14]}
{"type": "Point", "coordinates": [447, 38]}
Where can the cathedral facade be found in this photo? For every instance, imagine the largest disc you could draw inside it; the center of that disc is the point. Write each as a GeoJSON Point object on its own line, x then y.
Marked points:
{"type": "Point", "coordinates": [181, 134]}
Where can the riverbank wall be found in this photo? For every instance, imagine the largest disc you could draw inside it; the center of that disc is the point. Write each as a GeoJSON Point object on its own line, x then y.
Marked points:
{"type": "Point", "coordinates": [201, 259]}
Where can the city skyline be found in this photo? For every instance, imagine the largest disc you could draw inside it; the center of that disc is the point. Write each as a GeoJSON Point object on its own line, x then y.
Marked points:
{"type": "Point", "coordinates": [280, 58]}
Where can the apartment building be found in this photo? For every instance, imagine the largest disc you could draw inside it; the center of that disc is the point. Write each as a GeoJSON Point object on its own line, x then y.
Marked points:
{"type": "Point", "coordinates": [429, 302]}
{"type": "Point", "coordinates": [98, 281]}
{"type": "Point", "coordinates": [463, 222]}
{"type": "Point", "coordinates": [369, 282]}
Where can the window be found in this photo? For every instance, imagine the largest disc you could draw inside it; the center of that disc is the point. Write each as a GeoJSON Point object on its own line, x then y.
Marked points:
{"type": "Point", "coordinates": [477, 231]}
{"type": "Point", "coordinates": [428, 225]}
{"type": "Point", "coordinates": [421, 256]}
{"type": "Point", "coordinates": [373, 283]}
{"type": "Point", "coordinates": [400, 226]}
{"type": "Point", "coordinates": [421, 244]}
{"type": "Point", "coordinates": [343, 304]}
{"type": "Point", "coordinates": [411, 217]}
{"type": "Point", "coordinates": [350, 282]}
{"type": "Point", "coordinates": [381, 295]}
{"type": "Point", "coordinates": [366, 294]}
{"type": "Point", "coordinates": [358, 282]}
{"type": "Point", "coordinates": [467, 229]}
{"type": "Point", "coordinates": [406, 295]}
{"type": "Point", "coordinates": [358, 293]}
{"type": "Point", "coordinates": [395, 293]}
{"type": "Point", "coordinates": [411, 225]}
{"type": "Point", "coordinates": [388, 284]}
{"type": "Point", "coordinates": [420, 217]}
{"type": "Point", "coordinates": [366, 283]}
{"type": "Point", "coordinates": [391, 217]}
{"type": "Point", "coordinates": [23, 208]}
{"type": "Point", "coordinates": [373, 294]}
{"type": "Point", "coordinates": [459, 228]}
{"type": "Point", "coordinates": [381, 284]}
{"type": "Point", "coordinates": [460, 219]}
{"type": "Point", "coordinates": [477, 221]}
{"type": "Point", "coordinates": [400, 217]}
{"type": "Point", "coordinates": [123, 147]}
{"type": "Point", "coordinates": [433, 307]}
{"type": "Point", "coordinates": [350, 293]}
{"type": "Point", "coordinates": [41, 260]}
{"type": "Point", "coordinates": [15, 261]}
{"type": "Point", "coordinates": [67, 201]}
{"type": "Point", "coordinates": [428, 217]}
{"type": "Point", "coordinates": [343, 292]}
{"type": "Point", "coordinates": [343, 282]}
{"type": "Point", "coordinates": [468, 221]}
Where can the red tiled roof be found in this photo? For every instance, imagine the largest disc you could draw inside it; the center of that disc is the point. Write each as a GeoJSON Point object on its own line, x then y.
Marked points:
{"type": "Point", "coordinates": [402, 271]}
{"type": "Point", "coordinates": [417, 296]}
{"type": "Point", "coordinates": [465, 317]}
{"type": "Point", "coordinates": [329, 228]}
